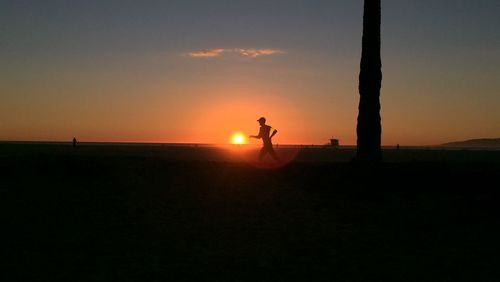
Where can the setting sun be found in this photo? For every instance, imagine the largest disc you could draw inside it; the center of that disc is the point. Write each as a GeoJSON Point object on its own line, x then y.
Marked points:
{"type": "Point", "coordinates": [238, 138]}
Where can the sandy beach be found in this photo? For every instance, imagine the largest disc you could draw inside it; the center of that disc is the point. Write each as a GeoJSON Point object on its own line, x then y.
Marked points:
{"type": "Point", "coordinates": [156, 213]}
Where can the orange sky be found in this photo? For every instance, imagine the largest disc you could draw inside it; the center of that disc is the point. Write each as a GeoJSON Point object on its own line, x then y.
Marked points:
{"type": "Point", "coordinates": [207, 101]}
{"type": "Point", "coordinates": [199, 74]}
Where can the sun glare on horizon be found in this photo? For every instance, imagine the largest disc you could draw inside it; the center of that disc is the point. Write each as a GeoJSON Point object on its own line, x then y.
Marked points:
{"type": "Point", "coordinates": [238, 138]}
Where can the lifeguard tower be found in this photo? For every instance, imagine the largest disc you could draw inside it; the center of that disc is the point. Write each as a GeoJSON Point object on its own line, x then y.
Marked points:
{"type": "Point", "coordinates": [334, 142]}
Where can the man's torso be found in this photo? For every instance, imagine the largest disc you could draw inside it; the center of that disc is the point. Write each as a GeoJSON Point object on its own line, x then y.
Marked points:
{"type": "Point", "coordinates": [264, 132]}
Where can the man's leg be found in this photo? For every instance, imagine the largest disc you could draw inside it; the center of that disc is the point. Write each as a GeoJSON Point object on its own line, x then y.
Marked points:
{"type": "Point", "coordinates": [263, 152]}
{"type": "Point", "coordinates": [272, 153]}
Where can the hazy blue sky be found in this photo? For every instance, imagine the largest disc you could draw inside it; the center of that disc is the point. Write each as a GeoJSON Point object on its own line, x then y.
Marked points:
{"type": "Point", "coordinates": [129, 70]}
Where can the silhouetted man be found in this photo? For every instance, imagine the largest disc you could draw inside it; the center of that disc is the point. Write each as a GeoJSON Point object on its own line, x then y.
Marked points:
{"type": "Point", "coordinates": [266, 133]}
{"type": "Point", "coordinates": [74, 141]}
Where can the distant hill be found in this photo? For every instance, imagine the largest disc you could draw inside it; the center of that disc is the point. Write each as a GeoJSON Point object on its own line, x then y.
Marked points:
{"type": "Point", "coordinates": [476, 143]}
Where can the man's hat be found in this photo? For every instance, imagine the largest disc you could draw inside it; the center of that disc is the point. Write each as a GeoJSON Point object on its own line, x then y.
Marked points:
{"type": "Point", "coordinates": [262, 118]}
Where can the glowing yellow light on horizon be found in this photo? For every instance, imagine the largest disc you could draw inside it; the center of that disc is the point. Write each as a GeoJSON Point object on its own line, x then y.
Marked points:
{"type": "Point", "coordinates": [238, 138]}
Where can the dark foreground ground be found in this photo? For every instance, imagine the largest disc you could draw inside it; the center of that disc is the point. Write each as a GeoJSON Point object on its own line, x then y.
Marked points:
{"type": "Point", "coordinates": [187, 214]}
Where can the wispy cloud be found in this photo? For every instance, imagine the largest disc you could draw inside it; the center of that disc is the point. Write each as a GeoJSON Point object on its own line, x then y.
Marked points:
{"type": "Point", "coordinates": [206, 53]}
{"type": "Point", "coordinates": [246, 52]}
{"type": "Point", "coordinates": [254, 53]}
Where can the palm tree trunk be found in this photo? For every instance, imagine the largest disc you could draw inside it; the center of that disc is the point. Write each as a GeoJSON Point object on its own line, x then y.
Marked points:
{"type": "Point", "coordinates": [369, 129]}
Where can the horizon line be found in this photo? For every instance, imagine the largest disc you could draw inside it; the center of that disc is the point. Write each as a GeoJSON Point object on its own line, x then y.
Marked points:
{"type": "Point", "coordinates": [193, 143]}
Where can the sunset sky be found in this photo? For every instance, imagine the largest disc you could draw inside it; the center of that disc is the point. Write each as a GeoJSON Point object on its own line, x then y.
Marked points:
{"type": "Point", "coordinates": [199, 71]}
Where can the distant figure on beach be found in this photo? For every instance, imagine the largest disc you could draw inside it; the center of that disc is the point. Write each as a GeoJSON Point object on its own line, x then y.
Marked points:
{"type": "Point", "coordinates": [74, 141]}
{"type": "Point", "coordinates": [397, 147]}
{"type": "Point", "coordinates": [266, 133]}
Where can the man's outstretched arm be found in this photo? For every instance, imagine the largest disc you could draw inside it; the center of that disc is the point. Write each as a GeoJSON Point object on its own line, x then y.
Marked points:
{"type": "Point", "coordinates": [256, 136]}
